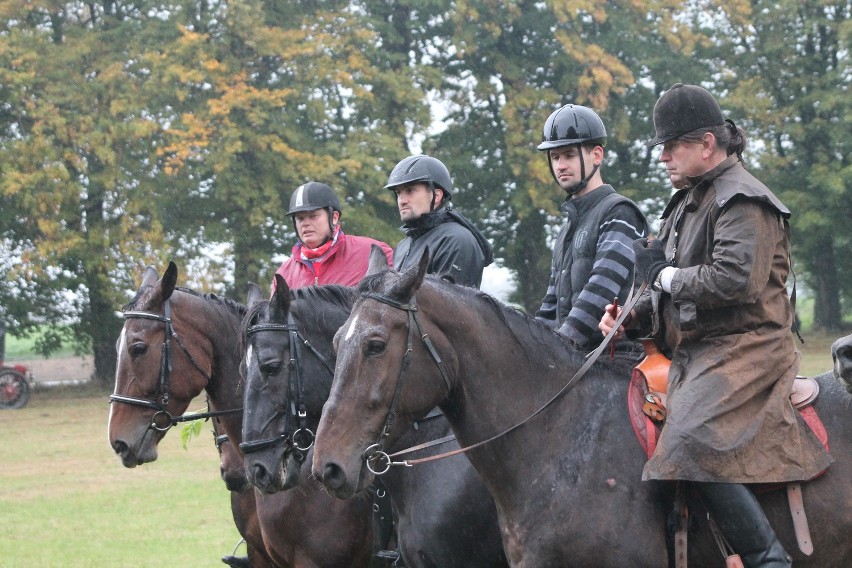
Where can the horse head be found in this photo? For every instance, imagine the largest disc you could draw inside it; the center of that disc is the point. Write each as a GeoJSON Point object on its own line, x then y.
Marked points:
{"type": "Point", "coordinates": [841, 353]}
{"type": "Point", "coordinates": [151, 354]}
{"type": "Point", "coordinates": [383, 345]}
{"type": "Point", "coordinates": [288, 371]}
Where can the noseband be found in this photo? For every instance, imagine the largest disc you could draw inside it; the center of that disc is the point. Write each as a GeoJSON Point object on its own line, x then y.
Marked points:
{"type": "Point", "coordinates": [162, 419]}
{"type": "Point", "coordinates": [378, 461]}
{"type": "Point", "coordinates": [303, 438]}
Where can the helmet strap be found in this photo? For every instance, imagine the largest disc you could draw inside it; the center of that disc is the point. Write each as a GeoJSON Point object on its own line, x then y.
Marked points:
{"type": "Point", "coordinates": [580, 185]}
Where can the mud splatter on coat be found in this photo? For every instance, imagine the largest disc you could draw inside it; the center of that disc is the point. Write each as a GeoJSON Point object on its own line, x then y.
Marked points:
{"type": "Point", "coordinates": [727, 324]}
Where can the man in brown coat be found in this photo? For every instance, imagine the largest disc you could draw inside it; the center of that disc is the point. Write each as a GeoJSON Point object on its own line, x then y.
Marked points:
{"type": "Point", "coordinates": [717, 303]}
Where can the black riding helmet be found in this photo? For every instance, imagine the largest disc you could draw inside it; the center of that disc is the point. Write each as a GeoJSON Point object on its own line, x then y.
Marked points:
{"type": "Point", "coordinates": [422, 168]}
{"type": "Point", "coordinates": [682, 109]}
{"type": "Point", "coordinates": [573, 125]}
{"type": "Point", "coordinates": [314, 195]}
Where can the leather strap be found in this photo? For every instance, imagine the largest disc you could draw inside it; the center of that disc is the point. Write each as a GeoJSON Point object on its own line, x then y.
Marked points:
{"type": "Point", "coordinates": [800, 521]}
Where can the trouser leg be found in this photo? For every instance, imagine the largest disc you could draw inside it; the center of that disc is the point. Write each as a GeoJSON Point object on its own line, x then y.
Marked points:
{"type": "Point", "coordinates": [740, 517]}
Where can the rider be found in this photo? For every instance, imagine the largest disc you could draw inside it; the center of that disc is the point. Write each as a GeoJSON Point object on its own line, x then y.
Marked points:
{"type": "Point", "coordinates": [324, 254]}
{"type": "Point", "coordinates": [717, 302]}
{"type": "Point", "coordinates": [593, 255]}
{"type": "Point", "coordinates": [457, 250]}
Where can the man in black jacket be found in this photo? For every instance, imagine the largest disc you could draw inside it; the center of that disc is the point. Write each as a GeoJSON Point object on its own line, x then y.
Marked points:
{"type": "Point", "coordinates": [457, 250]}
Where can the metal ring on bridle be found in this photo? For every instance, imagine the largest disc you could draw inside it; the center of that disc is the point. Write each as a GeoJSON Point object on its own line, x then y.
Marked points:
{"type": "Point", "coordinates": [378, 456]}
{"type": "Point", "coordinates": [169, 424]}
{"type": "Point", "coordinates": [303, 432]}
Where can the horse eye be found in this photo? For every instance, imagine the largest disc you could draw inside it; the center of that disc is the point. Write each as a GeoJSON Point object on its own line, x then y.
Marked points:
{"type": "Point", "coordinates": [271, 368]}
{"type": "Point", "coordinates": [138, 349]}
{"type": "Point", "coordinates": [375, 347]}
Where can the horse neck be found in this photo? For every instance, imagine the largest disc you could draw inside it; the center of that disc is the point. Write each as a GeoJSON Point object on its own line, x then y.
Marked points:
{"type": "Point", "coordinates": [508, 366]}
{"type": "Point", "coordinates": [215, 328]}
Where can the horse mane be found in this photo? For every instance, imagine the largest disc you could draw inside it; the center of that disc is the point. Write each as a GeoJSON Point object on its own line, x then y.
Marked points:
{"type": "Point", "coordinates": [142, 294]}
{"type": "Point", "coordinates": [338, 296]}
{"type": "Point", "coordinates": [529, 333]}
{"type": "Point", "coordinates": [341, 296]}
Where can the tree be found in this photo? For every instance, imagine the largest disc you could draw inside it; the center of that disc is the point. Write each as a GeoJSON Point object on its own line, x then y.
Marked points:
{"type": "Point", "coordinates": [787, 72]}
{"type": "Point", "coordinates": [511, 65]}
{"type": "Point", "coordinates": [77, 156]}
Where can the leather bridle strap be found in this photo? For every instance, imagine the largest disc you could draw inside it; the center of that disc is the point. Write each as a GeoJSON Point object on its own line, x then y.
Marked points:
{"type": "Point", "coordinates": [629, 304]}
{"type": "Point", "coordinates": [161, 400]}
{"type": "Point", "coordinates": [298, 406]}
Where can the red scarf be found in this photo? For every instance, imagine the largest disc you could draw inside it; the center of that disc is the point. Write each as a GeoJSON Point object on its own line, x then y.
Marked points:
{"type": "Point", "coordinates": [316, 254]}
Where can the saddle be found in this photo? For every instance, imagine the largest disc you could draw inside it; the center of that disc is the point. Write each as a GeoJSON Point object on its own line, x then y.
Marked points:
{"type": "Point", "coordinates": [646, 402]}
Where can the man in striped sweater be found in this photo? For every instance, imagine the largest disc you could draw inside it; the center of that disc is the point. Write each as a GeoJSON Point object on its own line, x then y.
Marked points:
{"type": "Point", "coordinates": [593, 256]}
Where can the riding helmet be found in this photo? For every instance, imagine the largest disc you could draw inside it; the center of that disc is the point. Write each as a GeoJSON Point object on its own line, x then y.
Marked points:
{"type": "Point", "coordinates": [421, 168]}
{"type": "Point", "coordinates": [682, 109]}
{"type": "Point", "coordinates": [572, 124]}
{"type": "Point", "coordinates": [313, 195]}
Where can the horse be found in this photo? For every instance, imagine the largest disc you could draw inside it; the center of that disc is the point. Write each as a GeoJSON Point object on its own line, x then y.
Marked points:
{"type": "Point", "coordinates": [175, 344]}
{"type": "Point", "coordinates": [558, 456]}
{"type": "Point", "coordinates": [445, 516]}
{"type": "Point", "coordinates": [841, 354]}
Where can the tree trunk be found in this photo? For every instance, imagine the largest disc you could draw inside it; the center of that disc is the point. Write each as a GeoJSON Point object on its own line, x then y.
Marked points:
{"type": "Point", "coordinates": [823, 269]}
{"type": "Point", "coordinates": [530, 259]}
{"type": "Point", "coordinates": [102, 325]}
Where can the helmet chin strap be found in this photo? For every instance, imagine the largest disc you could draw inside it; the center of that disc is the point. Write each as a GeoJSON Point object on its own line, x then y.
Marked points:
{"type": "Point", "coordinates": [581, 185]}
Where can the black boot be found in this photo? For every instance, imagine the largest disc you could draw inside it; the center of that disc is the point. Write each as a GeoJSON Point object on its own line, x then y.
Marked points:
{"type": "Point", "coordinates": [741, 519]}
{"type": "Point", "coordinates": [236, 561]}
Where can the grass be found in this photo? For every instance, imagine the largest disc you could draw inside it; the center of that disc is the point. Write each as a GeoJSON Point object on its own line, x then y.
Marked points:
{"type": "Point", "coordinates": [67, 501]}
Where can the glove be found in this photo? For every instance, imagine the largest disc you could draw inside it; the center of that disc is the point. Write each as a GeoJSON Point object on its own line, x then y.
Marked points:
{"type": "Point", "coordinates": [650, 259]}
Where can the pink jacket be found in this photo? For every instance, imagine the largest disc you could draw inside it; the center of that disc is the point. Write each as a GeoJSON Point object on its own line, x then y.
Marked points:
{"type": "Point", "coordinates": [345, 263]}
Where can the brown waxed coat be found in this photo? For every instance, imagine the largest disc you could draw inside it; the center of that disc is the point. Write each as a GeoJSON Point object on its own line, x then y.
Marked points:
{"type": "Point", "coordinates": [727, 324]}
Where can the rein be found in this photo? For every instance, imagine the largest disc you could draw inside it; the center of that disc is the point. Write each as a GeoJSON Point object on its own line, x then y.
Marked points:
{"type": "Point", "coordinates": [162, 420]}
{"type": "Point", "coordinates": [379, 462]}
{"type": "Point", "coordinates": [303, 438]}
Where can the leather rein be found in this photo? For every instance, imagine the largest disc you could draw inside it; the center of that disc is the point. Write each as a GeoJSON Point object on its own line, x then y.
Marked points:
{"type": "Point", "coordinates": [162, 420]}
{"type": "Point", "coordinates": [379, 462]}
{"type": "Point", "coordinates": [303, 438]}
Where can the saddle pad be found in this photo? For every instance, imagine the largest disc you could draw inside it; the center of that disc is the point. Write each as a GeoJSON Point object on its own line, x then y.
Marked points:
{"type": "Point", "coordinates": [647, 431]}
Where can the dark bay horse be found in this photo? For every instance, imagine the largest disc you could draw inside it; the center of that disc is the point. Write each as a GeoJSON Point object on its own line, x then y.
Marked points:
{"type": "Point", "coordinates": [175, 344]}
{"type": "Point", "coordinates": [445, 516]}
{"type": "Point", "coordinates": [841, 354]}
{"type": "Point", "coordinates": [567, 482]}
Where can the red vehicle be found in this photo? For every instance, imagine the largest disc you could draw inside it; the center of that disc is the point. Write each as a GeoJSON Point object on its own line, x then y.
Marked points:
{"type": "Point", "coordinates": [15, 380]}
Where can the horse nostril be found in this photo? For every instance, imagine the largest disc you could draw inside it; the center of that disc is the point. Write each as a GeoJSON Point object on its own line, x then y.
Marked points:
{"type": "Point", "coordinates": [259, 473]}
{"type": "Point", "coordinates": [333, 476]}
{"type": "Point", "coordinates": [120, 448]}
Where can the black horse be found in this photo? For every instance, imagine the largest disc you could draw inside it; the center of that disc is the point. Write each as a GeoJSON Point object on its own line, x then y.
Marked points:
{"type": "Point", "coordinates": [841, 353]}
{"type": "Point", "coordinates": [567, 481]}
{"type": "Point", "coordinates": [445, 516]}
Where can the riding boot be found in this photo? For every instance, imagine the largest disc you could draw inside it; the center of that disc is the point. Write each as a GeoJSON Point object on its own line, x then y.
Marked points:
{"type": "Point", "coordinates": [741, 520]}
{"type": "Point", "coordinates": [236, 561]}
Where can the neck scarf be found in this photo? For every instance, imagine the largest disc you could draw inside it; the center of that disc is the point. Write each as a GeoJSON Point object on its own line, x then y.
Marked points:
{"type": "Point", "coordinates": [317, 254]}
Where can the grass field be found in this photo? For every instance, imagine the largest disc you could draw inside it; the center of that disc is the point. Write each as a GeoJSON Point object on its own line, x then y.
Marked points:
{"type": "Point", "coordinates": [66, 500]}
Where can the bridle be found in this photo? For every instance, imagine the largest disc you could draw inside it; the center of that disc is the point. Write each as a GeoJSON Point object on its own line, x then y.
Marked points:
{"type": "Point", "coordinates": [303, 437]}
{"type": "Point", "coordinates": [162, 420]}
{"type": "Point", "coordinates": [378, 461]}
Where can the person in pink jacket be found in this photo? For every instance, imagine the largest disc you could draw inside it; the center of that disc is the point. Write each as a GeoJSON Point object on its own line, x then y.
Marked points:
{"type": "Point", "coordinates": [324, 254]}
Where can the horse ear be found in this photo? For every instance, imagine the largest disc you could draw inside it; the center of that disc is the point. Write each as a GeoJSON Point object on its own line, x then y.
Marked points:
{"type": "Point", "coordinates": [410, 280]}
{"type": "Point", "coordinates": [255, 294]}
{"type": "Point", "coordinates": [150, 277]}
{"type": "Point", "coordinates": [280, 302]}
{"type": "Point", "coordinates": [168, 282]}
{"type": "Point", "coordinates": [378, 261]}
